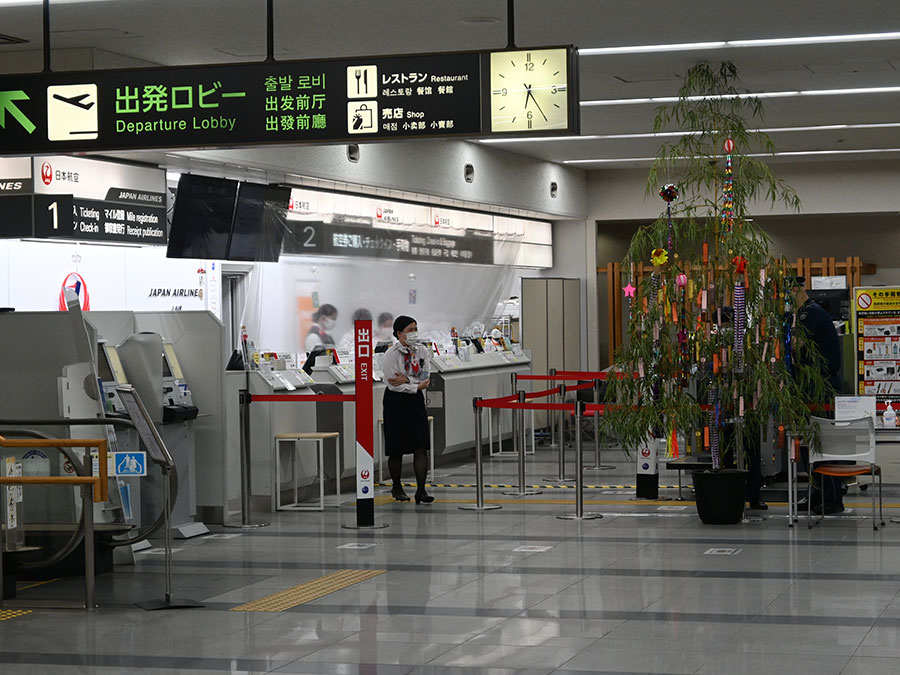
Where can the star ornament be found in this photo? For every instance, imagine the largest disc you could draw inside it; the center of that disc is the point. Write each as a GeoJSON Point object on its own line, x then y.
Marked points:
{"type": "Point", "coordinates": [629, 290]}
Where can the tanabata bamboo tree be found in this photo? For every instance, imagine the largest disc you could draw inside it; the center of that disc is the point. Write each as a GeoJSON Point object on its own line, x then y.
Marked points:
{"type": "Point", "coordinates": [711, 336]}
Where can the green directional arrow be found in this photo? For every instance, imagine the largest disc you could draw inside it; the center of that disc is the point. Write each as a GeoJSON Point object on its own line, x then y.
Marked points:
{"type": "Point", "coordinates": [7, 103]}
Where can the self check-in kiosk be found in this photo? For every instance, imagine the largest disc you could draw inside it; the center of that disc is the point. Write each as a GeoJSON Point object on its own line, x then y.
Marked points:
{"type": "Point", "coordinates": [153, 370]}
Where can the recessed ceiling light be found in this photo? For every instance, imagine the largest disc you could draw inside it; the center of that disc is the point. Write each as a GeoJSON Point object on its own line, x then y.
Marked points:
{"type": "Point", "coordinates": [737, 44]}
{"type": "Point", "coordinates": [761, 94]}
{"type": "Point", "coordinates": [12, 3]}
{"type": "Point", "coordinates": [789, 153]}
{"type": "Point", "coordinates": [480, 19]}
{"type": "Point", "coordinates": [668, 134]}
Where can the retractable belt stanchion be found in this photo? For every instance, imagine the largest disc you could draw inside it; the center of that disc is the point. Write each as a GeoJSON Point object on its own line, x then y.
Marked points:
{"type": "Point", "coordinates": [551, 422]}
{"type": "Point", "coordinates": [561, 478]}
{"type": "Point", "coordinates": [244, 397]}
{"type": "Point", "coordinates": [598, 465]}
{"type": "Point", "coordinates": [579, 478]}
{"type": "Point", "coordinates": [479, 467]}
{"type": "Point", "coordinates": [519, 444]}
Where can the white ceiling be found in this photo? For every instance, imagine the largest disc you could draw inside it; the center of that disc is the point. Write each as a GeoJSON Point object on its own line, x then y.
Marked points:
{"type": "Point", "coordinates": [177, 32]}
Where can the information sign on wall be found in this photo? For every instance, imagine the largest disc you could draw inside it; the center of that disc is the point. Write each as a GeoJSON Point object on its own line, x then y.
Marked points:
{"type": "Point", "coordinates": [877, 321]}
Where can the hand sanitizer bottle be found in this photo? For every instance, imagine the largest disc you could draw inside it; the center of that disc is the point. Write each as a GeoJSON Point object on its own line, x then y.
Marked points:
{"type": "Point", "coordinates": [889, 419]}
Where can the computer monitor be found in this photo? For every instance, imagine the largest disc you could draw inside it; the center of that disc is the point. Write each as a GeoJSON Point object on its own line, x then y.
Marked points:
{"type": "Point", "coordinates": [201, 220]}
{"type": "Point", "coordinates": [316, 352]}
{"type": "Point", "coordinates": [260, 219]}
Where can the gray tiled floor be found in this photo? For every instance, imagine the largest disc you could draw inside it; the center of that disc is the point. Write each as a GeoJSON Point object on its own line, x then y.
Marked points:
{"type": "Point", "coordinates": [634, 592]}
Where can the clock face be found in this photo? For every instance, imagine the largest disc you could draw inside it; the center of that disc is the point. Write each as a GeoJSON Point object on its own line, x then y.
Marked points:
{"type": "Point", "coordinates": [529, 90]}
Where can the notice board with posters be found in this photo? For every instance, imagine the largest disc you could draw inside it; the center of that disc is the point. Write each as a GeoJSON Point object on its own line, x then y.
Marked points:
{"type": "Point", "coordinates": [877, 322]}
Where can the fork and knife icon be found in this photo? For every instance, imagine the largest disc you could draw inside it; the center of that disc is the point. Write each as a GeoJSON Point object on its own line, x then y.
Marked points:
{"type": "Point", "coordinates": [364, 74]}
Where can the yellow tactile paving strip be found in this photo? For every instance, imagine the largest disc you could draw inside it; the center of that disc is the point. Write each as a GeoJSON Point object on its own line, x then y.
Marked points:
{"type": "Point", "coordinates": [387, 499]}
{"type": "Point", "coordinates": [551, 486]}
{"type": "Point", "coordinates": [311, 590]}
{"type": "Point", "coordinates": [7, 614]}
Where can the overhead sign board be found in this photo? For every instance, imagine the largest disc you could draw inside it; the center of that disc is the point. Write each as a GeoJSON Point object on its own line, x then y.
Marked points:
{"type": "Point", "coordinates": [283, 102]}
{"type": "Point", "coordinates": [83, 199]}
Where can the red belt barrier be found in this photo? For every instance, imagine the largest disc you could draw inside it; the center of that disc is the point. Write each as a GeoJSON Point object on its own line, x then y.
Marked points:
{"type": "Point", "coordinates": [582, 374]}
{"type": "Point", "coordinates": [579, 387]}
{"type": "Point", "coordinates": [317, 398]}
{"type": "Point", "coordinates": [495, 403]}
{"type": "Point", "coordinates": [539, 394]}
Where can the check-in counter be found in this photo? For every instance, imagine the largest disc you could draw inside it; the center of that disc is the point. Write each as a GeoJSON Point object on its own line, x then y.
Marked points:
{"type": "Point", "coordinates": [457, 382]}
{"type": "Point", "coordinates": [449, 399]}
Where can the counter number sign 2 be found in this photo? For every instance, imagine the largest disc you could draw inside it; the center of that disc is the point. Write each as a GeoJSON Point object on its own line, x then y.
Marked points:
{"type": "Point", "coordinates": [362, 108]}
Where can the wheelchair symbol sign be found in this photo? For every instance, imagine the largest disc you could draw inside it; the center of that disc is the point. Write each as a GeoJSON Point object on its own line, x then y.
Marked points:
{"type": "Point", "coordinates": [130, 463]}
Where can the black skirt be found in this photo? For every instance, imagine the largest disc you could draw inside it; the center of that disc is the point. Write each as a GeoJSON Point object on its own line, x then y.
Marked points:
{"type": "Point", "coordinates": [405, 423]}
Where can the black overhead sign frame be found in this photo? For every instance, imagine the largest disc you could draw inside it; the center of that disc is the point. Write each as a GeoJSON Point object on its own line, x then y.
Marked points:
{"type": "Point", "coordinates": [349, 100]}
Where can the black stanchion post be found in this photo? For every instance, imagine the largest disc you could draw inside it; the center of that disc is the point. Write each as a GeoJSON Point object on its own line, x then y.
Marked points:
{"type": "Point", "coordinates": [560, 415]}
{"type": "Point", "coordinates": [598, 465]}
{"type": "Point", "coordinates": [551, 420]}
{"type": "Point", "coordinates": [520, 446]}
{"type": "Point", "coordinates": [579, 472]}
{"type": "Point", "coordinates": [479, 466]}
{"type": "Point", "coordinates": [244, 398]}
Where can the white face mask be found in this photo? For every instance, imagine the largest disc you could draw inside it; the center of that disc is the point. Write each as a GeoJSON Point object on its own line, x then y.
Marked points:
{"type": "Point", "coordinates": [326, 323]}
{"type": "Point", "coordinates": [412, 337]}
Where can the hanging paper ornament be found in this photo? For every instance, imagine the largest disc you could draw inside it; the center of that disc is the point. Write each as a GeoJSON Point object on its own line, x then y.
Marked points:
{"type": "Point", "coordinates": [629, 290]}
{"type": "Point", "coordinates": [728, 190]}
{"type": "Point", "coordinates": [740, 264]}
{"type": "Point", "coordinates": [659, 256]}
{"type": "Point", "coordinates": [712, 421]}
{"type": "Point", "coordinates": [740, 327]}
{"type": "Point", "coordinates": [681, 280]}
{"type": "Point", "coordinates": [669, 192]}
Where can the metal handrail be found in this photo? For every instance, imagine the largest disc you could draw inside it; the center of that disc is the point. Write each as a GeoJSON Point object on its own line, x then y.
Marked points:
{"type": "Point", "coordinates": [101, 487]}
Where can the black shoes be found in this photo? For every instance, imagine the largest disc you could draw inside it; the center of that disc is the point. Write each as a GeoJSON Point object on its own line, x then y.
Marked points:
{"type": "Point", "coordinates": [398, 494]}
{"type": "Point", "coordinates": [759, 506]}
{"type": "Point", "coordinates": [423, 498]}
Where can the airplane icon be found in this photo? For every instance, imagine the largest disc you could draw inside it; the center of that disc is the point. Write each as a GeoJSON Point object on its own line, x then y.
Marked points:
{"type": "Point", "coordinates": [72, 112]}
{"type": "Point", "coordinates": [75, 100]}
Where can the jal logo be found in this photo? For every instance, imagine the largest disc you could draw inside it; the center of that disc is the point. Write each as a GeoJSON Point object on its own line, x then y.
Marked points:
{"type": "Point", "coordinates": [46, 173]}
{"type": "Point", "coordinates": [364, 474]}
{"type": "Point", "coordinates": [378, 213]}
{"type": "Point", "coordinates": [645, 452]}
{"type": "Point", "coordinates": [437, 220]}
{"type": "Point", "coordinates": [75, 282]}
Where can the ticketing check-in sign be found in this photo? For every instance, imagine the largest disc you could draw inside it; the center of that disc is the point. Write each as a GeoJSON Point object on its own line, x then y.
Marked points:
{"type": "Point", "coordinates": [365, 462]}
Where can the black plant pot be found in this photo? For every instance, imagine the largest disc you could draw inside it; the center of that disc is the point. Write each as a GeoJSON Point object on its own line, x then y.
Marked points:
{"type": "Point", "coordinates": [720, 495]}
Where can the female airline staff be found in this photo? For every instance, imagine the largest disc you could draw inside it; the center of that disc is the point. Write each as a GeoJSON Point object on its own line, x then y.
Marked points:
{"type": "Point", "coordinates": [406, 366]}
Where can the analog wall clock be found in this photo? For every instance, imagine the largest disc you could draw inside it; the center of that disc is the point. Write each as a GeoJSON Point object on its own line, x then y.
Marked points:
{"type": "Point", "coordinates": [529, 90]}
